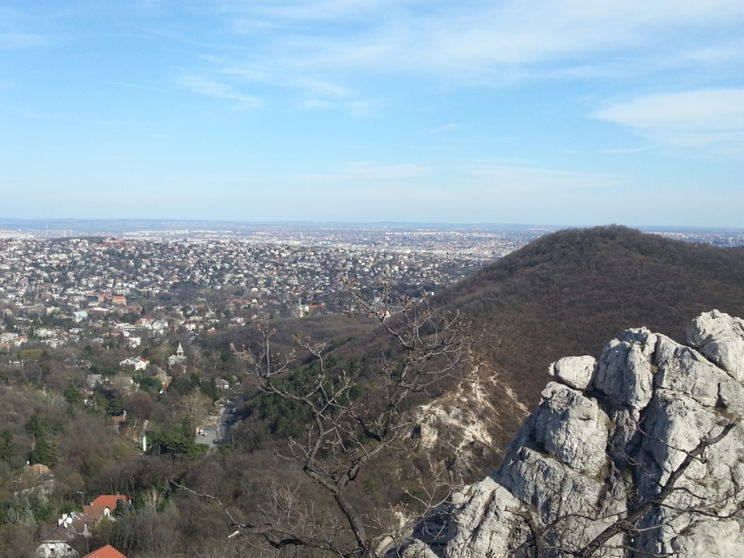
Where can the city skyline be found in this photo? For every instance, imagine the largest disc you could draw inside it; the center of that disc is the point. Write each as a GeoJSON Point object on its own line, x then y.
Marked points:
{"type": "Point", "coordinates": [567, 113]}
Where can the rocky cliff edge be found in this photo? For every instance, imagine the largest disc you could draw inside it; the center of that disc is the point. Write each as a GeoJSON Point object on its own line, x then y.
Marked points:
{"type": "Point", "coordinates": [639, 453]}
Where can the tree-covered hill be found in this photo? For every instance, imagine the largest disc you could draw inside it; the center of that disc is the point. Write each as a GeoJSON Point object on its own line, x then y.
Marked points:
{"type": "Point", "coordinates": [570, 291]}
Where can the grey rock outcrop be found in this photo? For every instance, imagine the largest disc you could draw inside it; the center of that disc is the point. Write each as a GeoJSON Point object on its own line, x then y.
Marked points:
{"type": "Point", "coordinates": [720, 337]}
{"type": "Point", "coordinates": [608, 442]}
{"type": "Point", "coordinates": [575, 372]}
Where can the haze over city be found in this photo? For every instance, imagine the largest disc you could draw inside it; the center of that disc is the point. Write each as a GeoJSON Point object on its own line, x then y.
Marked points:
{"type": "Point", "coordinates": [569, 113]}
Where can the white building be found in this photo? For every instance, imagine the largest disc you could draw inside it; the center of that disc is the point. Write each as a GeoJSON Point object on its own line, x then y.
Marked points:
{"type": "Point", "coordinates": [56, 549]}
{"type": "Point", "coordinates": [179, 358]}
{"type": "Point", "coordinates": [137, 364]}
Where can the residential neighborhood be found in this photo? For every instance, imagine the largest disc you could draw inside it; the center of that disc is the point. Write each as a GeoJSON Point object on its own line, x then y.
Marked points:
{"type": "Point", "coordinates": [73, 527]}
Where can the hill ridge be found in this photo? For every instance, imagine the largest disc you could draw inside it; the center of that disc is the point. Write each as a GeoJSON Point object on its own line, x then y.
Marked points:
{"type": "Point", "coordinates": [570, 291]}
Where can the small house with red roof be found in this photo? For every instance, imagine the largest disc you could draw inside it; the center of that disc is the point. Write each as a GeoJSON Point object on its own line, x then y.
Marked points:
{"type": "Point", "coordinates": [107, 551]}
{"type": "Point", "coordinates": [109, 501]}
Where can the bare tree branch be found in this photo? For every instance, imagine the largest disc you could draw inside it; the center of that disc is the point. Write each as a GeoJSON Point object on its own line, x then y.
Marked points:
{"type": "Point", "coordinates": [627, 523]}
{"type": "Point", "coordinates": [345, 434]}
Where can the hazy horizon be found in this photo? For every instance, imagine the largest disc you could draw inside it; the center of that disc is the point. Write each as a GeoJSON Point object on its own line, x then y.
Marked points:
{"type": "Point", "coordinates": [80, 224]}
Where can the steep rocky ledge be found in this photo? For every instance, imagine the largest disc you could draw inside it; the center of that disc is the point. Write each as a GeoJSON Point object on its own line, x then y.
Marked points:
{"type": "Point", "coordinates": [645, 444]}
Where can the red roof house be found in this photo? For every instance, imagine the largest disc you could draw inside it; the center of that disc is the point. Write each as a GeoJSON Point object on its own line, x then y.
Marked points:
{"type": "Point", "coordinates": [109, 501]}
{"type": "Point", "coordinates": [107, 551]}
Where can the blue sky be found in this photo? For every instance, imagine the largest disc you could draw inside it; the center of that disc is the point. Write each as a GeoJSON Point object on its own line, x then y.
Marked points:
{"type": "Point", "coordinates": [569, 112]}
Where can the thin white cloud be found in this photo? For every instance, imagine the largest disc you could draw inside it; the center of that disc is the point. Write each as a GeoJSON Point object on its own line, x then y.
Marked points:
{"type": "Point", "coordinates": [313, 10]}
{"type": "Point", "coordinates": [445, 128]}
{"type": "Point", "coordinates": [361, 108]}
{"type": "Point", "coordinates": [482, 38]}
{"type": "Point", "coordinates": [627, 150]}
{"type": "Point", "coordinates": [20, 41]}
{"type": "Point", "coordinates": [218, 90]}
{"type": "Point", "coordinates": [688, 118]}
{"type": "Point", "coordinates": [357, 109]}
{"type": "Point", "coordinates": [357, 172]}
{"type": "Point", "coordinates": [324, 88]}
{"type": "Point", "coordinates": [327, 53]}
{"type": "Point", "coordinates": [317, 104]}
{"type": "Point", "coordinates": [265, 74]}
{"type": "Point", "coordinates": [369, 171]}
{"type": "Point", "coordinates": [716, 53]}
{"type": "Point", "coordinates": [316, 93]}
{"type": "Point", "coordinates": [129, 85]}
{"type": "Point", "coordinates": [528, 179]}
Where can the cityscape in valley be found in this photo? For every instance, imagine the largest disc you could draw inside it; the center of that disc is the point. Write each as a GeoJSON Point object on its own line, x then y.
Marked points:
{"type": "Point", "coordinates": [66, 287]}
{"type": "Point", "coordinates": [63, 287]}
{"type": "Point", "coordinates": [194, 281]}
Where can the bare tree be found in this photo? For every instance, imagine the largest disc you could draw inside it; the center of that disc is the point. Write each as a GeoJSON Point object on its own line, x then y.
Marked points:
{"type": "Point", "coordinates": [345, 432]}
{"type": "Point", "coordinates": [194, 406]}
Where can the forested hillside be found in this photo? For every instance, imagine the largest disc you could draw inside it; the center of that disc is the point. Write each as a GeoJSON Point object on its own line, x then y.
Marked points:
{"type": "Point", "coordinates": [574, 289]}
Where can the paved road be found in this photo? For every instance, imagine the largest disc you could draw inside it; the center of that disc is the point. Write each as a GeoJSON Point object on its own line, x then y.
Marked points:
{"type": "Point", "coordinates": [217, 431]}
{"type": "Point", "coordinates": [211, 433]}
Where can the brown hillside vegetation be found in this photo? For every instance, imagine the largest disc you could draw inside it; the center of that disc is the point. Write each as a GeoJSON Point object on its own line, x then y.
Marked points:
{"type": "Point", "coordinates": [568, 292]}
{"type": "Point", "coordinates": [565, 293]}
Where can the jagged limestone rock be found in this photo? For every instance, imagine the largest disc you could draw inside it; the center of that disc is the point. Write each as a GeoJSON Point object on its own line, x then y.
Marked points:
{"type": "Point", "coordinates": [491, 510]}
{"type": "Point", "coordinates": [605, 440]}
{"type": "Point", "coordinates": [485, 518]}
{"type": "Point", "coordinates": [712, 539]}
{"type": "Point", "coordinates": [575, 372]}
{"type": "Point", "coordinates": [624, 373]}
{"type": "Point", "coordinates": [720, 337]}
{"type": "Point", "coordinates": [415, 549]}
{"type": "Point", "coordinates": [571, 427]}
{"type": "Point", "coordinates": [683, 370]}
